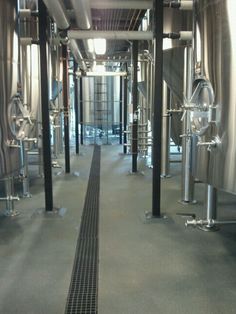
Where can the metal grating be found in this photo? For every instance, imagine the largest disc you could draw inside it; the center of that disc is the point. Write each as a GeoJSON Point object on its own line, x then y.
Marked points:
{"type": "Point", "coordinates": [83, 291]}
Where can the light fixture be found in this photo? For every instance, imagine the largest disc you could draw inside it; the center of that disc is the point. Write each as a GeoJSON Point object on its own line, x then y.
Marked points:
{"type": "Point", "coordinates": [100, 46]}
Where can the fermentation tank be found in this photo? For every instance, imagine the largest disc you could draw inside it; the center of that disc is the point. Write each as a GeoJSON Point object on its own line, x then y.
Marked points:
{"type": "Point", "coordinates": [214, 98]}
{"type": "Point", "coordinates": [9, 146]}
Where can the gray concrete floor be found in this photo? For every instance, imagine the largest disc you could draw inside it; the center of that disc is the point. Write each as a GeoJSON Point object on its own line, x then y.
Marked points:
{"type": "Point", "coordinates": [158, 267]}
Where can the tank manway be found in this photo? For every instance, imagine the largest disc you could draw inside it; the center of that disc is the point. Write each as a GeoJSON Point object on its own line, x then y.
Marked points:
{"type": "Point", "coordinates": [83, 291]}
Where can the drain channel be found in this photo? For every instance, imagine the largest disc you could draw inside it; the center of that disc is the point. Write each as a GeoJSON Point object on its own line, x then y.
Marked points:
{"type": "Point", "coordinates": [83, 292]}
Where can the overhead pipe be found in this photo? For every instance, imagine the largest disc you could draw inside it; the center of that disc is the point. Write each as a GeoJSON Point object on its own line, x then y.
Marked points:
{"type": "Point", "coordinates": [83, 19]}
{"type": "Point", "coordinates": [121, 4]}
{"type": "Point", "coordinates": [114, 35]}
{"type": "Point", "coordinates": [57, 10]}
{"type": "Point", "coordinates": [136, 5]}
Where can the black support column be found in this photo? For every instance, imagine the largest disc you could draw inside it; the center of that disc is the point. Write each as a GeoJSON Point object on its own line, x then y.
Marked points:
{"type": "Point", "coordinates": [76, 108]}
{"type": "Point", "coordinates": [135, 106]}
{"type": "Point", "coordinates": [157, 107]}
{"type": "Point", "coordinates": [125, 112]}
{"type": "Point", "coordinates": [45, 108]}
{"type": "Point", "coordinates": [66, 108]}
{"type": "Point", "coordinates": [81, 112]}
{"type": "Point", "coordinates": [121, 108]}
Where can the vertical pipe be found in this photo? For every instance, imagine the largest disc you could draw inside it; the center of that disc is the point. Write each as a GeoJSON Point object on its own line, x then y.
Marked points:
{"type": "Point", "coordinates": [45, 108]}
{"type": "Point", "coordinates": [81, 113]}
{"type": "Point", "coordinates": [76, 108]}
{"type": "Point", "coordinates": [187, 178]}
{"type": "Point", "coordinates": [125, 112]}
{"type": "Point", "coordinates": [157, 107]}
{"type": "Point", "coordinates": [121, 107]}
{"type": "Point", "coordinates": [135, 106]}
{"type": "Point", "coordinates": [165, 150]}
{"type": "Point", "coordinates": [66, 108]}
{"type": "Point", "coordinates": [211, 202]}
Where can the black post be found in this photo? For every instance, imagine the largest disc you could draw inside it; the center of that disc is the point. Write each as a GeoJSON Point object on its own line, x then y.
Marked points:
{"type": "Point", "coordinates": [135, 106]}
{"type": "Point", "coordinates": [125, 112]}
{"type": "Point", "coordinates": [157, 105]}
{"type": "Point", "coordinates": [66, 108]}
{"type": "Point", "coordinates": [81, 113]}
{"type": "Point", "coordinates": [76, 108]}
{"type": "Point", "coordinates": [47, 161]}
{"type": "Point", "coordinates": [121, 107]}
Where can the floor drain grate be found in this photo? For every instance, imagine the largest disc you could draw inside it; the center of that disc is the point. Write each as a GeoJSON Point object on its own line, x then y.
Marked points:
{"type": "Point", "coordinates": [83, 292]}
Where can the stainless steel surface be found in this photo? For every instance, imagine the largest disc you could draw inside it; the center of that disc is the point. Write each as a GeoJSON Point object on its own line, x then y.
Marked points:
{"type": "Point", "coordinates": [165, 164]}
{"type": "Point", "coordinates": [9, 150]}
{"type": "Point", "coordinates": [9, 199]}
{"type": "Point", "coordinates": [110, 35]}
{"type": "Point", "coordinates": [187, 186]}
{"type": "Point", "coordinates": [215, 63]}
{"type": "Point", "coordinates": [57, 10]}
{"type": "Point", "coordinates": [173, 63]}
{"type": "Point", "coordinates": [211, 201]}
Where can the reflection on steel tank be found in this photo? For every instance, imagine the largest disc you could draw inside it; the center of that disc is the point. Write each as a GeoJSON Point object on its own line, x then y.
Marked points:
{"type": "Point", "coordinates": [214, 116]}
{"type": "Point", "coordinates": [9, 146]}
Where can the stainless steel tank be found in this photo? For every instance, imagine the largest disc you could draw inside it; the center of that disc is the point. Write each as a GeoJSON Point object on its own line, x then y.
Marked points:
{"type": "Point", "coordinates": [9, 146]}
{"type": "Point", "coordinates": [214, 98]}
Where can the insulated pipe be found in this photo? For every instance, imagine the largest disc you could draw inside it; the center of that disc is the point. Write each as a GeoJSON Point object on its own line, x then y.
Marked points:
{"type": "Point", "coordinates": [82, 11]}
{"type": "Point", "coordinates": [83, 18]}
{"type": "Point", "coordinates": [121, 4]}
{"type": "Point", "coordinates": [157, 108]}
{"type": "Point", "coordinates": [47, 159]}
{"type": "Point", "coordinates": [77, 54]}
{"type": "Point", "coordinates": [114, 35]}
{"type": "Point", "coordinates": [137, 5]}
{"type": "Point", "coordinates": [57, 10]}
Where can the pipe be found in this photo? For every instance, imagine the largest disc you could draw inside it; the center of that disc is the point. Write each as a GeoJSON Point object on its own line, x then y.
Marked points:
{"type": "Point", "coordinates": [121, 4]}
{"type": "Point", "coordinates": [83, 18]}
{"type": "Point", "coordinates": [125, 113]}
{"type": "Point", "coordinates": [73, 45]}
{"type": "Point", "coordinates": [76, 110]}
{"type": "Point", "coordinates": [66, 108]}
{"type": "Point", "coordinates": [187, 178]}
{"type": "Point", "coordinates": [81, 112]}
{"type": "Point", "coordinates": [157, 108]}
{"type": "Point", "coordinates": [165, 162]}
{"type": "Point", "coordinates": [82, 13]}
{"type": "Point", "coordinates": [114, 35]}
{"type": "Point", "coordinates": [9, 198]}
{"type": "Point", "coordinates": [57, 10]}
{"type": "Point", "coordinates": [211, 202]}
{"type": "Point", "coordinates": [135, 107]}
{"type": "Point", "coordinates": [47, 160]}
{"type": "Point", "coordinates": [121, 105]}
